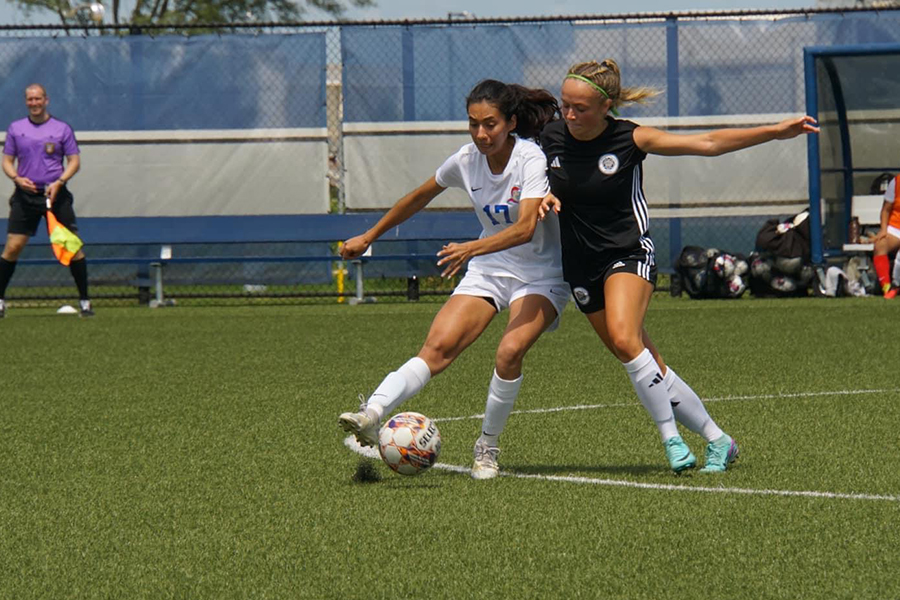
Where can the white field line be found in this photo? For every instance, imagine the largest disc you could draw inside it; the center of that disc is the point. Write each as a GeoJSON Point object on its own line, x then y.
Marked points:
{"type": "Point", "coordinates": [534, 411]}
{"type": "Point", "coordinates": [352, 444]}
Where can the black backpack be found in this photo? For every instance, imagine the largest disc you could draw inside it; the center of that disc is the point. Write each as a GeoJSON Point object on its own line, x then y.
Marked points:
{"type": "Point", "coordinates": [787, 239]}
{"type": "Point", "coordinates": [880, 184]}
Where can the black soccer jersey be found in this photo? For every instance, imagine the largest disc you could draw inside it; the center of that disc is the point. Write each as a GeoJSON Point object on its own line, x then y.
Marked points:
{"type": "Point", "coordinates": [600, 184]}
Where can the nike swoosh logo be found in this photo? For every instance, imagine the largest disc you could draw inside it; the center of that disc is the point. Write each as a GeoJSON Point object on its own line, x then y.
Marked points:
{"type": "Point", "coordinates": [475, 189]}
{"type": "Point", "coordinates": [674, 404]}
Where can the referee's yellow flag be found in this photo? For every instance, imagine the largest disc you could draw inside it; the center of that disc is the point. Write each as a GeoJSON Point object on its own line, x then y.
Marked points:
{"type": "Point", "coordinates": [65, 244]}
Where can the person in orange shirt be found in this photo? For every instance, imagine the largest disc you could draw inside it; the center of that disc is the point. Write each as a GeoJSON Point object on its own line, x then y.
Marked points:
{"type": "Point", "coordinates": [888, 238]}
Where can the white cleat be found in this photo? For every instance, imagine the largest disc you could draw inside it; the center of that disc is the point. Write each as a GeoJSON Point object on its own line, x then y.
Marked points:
{"type": "Point", "coordinates": [485, 466]}
{"type": "Point", "coordinates": [362, 425]}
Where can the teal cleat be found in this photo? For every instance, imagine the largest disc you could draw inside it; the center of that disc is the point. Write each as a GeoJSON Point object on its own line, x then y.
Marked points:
{"type": "Point", "coordinates": [719, 454]}
{"type": "Point", "coordinates": [679, 455]}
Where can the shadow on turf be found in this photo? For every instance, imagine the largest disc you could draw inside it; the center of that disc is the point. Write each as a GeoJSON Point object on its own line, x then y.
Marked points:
{"type": "Point", "coordinates": [366, 473]}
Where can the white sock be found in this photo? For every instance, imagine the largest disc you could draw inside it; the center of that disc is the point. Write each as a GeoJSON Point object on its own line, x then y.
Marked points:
{"type": "Point", "coordinates": [501, 398]}
{"type": "Point", "coordinates": [689, 409]}
{"type": "Point", "coordinates": [398, 386]}
{"type": "Point", "coordinates": [647, 380]}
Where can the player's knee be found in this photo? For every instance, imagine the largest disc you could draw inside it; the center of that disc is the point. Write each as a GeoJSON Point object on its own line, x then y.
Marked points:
{"type": "Point", "coordinates": [438, 355]}
{"type": "Point", "coordinates": [510, 355]}
{"type": "Point", "coordinates": [12, 250]}
{"type": "Point", "coordinates": [625, 345]}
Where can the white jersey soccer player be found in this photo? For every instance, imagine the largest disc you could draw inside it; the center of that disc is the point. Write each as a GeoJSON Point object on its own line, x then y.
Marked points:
{"type": "Point", "coordinates": [515, 263]}
{"type": "Point", "coordinates": [496, 202]}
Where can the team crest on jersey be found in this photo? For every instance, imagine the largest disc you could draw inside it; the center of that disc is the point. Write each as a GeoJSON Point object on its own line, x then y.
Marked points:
{"type": "Point", "coordinates": [514, 194]}
{"type": "Point", "coordinates": [609, 164]}
{"type": "Point", "coordinates": [49, 147]}
{"type": "Point", "coordinates": [581, 295]}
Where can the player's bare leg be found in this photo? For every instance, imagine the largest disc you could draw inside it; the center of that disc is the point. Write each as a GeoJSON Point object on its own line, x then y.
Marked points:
{"type": "Point", "coordinates": [459, 323]}
{"type": "Point", "coordinates": [621, 326]}
{"type": "Point", "coordinates": [529, 317]}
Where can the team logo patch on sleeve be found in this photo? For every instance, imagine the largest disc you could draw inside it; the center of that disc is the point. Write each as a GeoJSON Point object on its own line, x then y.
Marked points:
{"type": "Point", "coordinates": [609, 164]}
{"type": "Point", "coordinates": [581, 295]}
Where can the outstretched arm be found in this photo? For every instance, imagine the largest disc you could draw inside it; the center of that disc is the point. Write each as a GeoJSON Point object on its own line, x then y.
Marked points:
{"type": "Point", "coordinates": [454, 256]}
{"type": "Point", "coordinates": [720, 141]}
{"type": "Point", "coordinates": [406, 207]}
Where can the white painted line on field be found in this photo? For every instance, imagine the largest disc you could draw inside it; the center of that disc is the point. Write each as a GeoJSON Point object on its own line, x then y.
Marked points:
{"type": "Point", "coordinates": [535, 411]}
{"type": "Point", "coordinates": [691, 488]}
{"type": "Point", "coordinates": [352, 444]}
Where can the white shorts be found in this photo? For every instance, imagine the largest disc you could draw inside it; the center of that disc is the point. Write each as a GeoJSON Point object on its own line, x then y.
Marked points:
{"type": "Point", "coordinates": [505, 290]}
{"type": "Point", "coordinates": [894, 231]}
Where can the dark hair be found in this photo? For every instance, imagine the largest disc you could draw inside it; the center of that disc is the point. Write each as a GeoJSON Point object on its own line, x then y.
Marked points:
{"type": "Point", "coordinates": [532, 107]}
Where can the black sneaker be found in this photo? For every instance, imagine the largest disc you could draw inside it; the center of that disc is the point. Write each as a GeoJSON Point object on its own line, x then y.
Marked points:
{"type": "Point", "coordinates": [86, 309]}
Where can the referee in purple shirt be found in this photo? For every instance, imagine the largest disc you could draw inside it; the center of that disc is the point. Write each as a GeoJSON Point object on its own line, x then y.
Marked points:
{"type": "Point", "coordinates": [40, 156]}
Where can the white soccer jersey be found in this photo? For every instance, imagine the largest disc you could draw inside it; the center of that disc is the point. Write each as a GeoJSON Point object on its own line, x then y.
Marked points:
{"type": "Point", "coordinates": [496, 202]}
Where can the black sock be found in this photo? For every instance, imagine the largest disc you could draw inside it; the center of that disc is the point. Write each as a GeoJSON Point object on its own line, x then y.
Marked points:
{"type": "Point", "coordinates": [6, 272]}
{"type": "Point", "coordinates": [79, 273]}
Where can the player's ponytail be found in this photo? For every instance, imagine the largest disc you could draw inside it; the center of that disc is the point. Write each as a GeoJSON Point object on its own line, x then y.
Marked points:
{"type": "Point", "coordinates": [536, 108]}
{"type": "Point", "coordinates": [532, 107]}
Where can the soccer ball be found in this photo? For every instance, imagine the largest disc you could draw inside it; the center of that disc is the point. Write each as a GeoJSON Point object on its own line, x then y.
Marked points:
{"type": "Point", "coordinates": [409, 443]}
{"type": "Point", "coordinates": [724, 266]}
{"type": "Point", "coordinates": [736, 286]}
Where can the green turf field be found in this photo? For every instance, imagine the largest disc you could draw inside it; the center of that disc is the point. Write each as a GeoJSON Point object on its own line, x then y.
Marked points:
{"type": "Point", "coordinates": [194, 453]}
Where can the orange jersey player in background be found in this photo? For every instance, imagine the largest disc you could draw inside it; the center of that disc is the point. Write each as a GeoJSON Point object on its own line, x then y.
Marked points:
{"type": "Point", "coordinates": [888, 239]}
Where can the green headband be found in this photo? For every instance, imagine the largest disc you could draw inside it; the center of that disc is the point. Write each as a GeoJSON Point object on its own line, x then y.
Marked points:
{"type": "Point", "coordinates": [596, 87]}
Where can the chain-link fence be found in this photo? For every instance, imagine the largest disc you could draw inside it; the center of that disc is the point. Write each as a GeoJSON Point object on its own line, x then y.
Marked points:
{"type": "Point", "coordinates": [273, 121]}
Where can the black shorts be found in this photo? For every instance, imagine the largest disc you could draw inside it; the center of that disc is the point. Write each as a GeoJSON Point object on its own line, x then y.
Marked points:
{"type": "Point", "coordinates": [26, 211]}
{"type": "Point", "coordinates": [588, 290]}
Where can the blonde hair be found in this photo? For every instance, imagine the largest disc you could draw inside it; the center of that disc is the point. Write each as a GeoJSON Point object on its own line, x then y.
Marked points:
{"type": "Point", "coordinates": [607, 76]}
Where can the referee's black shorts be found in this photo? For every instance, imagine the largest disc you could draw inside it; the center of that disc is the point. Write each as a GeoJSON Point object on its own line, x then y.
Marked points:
{"type": "Point", "coordinates": [26, 211]}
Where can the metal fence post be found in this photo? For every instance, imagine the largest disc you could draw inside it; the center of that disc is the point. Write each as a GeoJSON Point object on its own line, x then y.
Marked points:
{"type": "Point", "coordinates": [360, 297]}
{"type": "Point", "coordinates": [673, 108]}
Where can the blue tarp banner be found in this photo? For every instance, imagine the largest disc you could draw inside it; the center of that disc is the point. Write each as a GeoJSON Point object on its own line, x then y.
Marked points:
{"type": "Point", "coordinates": [171, 82]}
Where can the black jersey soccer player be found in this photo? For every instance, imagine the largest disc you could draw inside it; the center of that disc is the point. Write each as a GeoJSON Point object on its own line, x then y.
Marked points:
{"type": "Point", "coordinates": [596, 174]}
{"type": "Point", "coordinates": [40, 156]}
{"type": "Point", "coordinates": [515, 263]}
